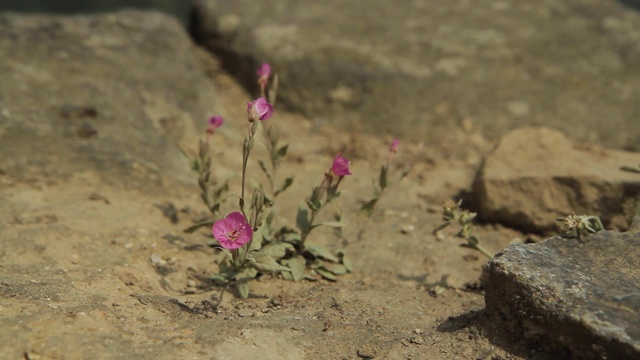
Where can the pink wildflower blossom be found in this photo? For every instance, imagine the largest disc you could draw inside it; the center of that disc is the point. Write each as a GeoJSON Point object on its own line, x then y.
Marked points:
{"type": "Point", "coordinates": [394, 146]}
{"type": "Point", "coordinates": [216, 121]}
{"type": "Point", "coordinates": [233, 231]}
{"type": "Point", "coordinates": [261, 108]}
{"type": "Point", "coordinates": [264, 71]}
{"type": "Point", "coordinates": [340, 166]}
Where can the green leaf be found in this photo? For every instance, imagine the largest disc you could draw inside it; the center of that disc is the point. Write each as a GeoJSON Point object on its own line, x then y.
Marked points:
{"type": "Point", "coordinates": [198, 225]}
{"type": "Point", "coordinates": [256, 240]}
{"type": "Point", "coordinates": [297, 265]}
{"type": "Point", "coordinates": [302, 220]}
{"type": "Point", "coordinates": [246, 275]}
{"type": "Point", "coordinates": [278, 250]}
{"type": "Point", "coordinates": [243, 289]}
{"type": "Point", "coordinates": [292, 237]}
{"type": "Point", "coordinates": [287, 182]}
{"type": "Point", "coordinates": [382, 180]}
{"type": "Point", "coordinates": [314, 205]}
{"type": "Point", "coordinates": [336, 224]}
{"type": "Point", "coordinates": [326, 274]}
{"type": "Point", "coordinates": [227, 254]}
{"type": "Point", "coordinates": [345, 260]}
{"type": "Point", "coordinates": [264, 262]}
{"type": "Point", "coordinates": [282, 152]}
{"type": "Point", "coordinates": [336, 269]}
{"type": "Point", "coordinates": [321, 252]}
{"type": "Point", "coordinates": [367, 208]}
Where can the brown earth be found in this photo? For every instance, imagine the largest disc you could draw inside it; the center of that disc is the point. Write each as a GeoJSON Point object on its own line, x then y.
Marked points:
{"type": "Point", "coordinates": [77, 278]}
{"type": "Point", "coordinates": [78, 281]}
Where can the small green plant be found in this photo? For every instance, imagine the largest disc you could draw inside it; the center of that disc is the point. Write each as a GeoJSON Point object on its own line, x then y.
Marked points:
{"type": "Point", "coordinates": [453, 213]}
{"type": "Point", "coordinates": [580, 225]}
{"type": "Point", "coordinates": [212, 193]}
{"type": "Point", "coordinates": [381, 183]}
{"type": "Point", "coordinates": [249, 245]}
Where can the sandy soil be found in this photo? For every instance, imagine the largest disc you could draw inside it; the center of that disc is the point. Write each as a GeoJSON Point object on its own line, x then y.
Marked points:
{"type": "Point", "coordinates": [77, 280]}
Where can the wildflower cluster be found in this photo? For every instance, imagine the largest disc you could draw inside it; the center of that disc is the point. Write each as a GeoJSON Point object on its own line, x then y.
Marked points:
{"type": "Point", "coordinates": [453, 213]}
{"type": "Point", "coordinates": [245, 236]}
{"type": "Point", "coordinates": [382, 182]}
{"type": "Point", "coordinates": [581, 225]}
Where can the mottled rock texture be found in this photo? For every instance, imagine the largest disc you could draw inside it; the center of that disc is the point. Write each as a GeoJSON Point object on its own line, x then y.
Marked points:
{"type": "Point", "coordinates": [119, 94]}
{"type": "Point", "coordinates": [535, 175]}
{"type": "Point", "coordinates": [577, 299]}
{"type": "Point", "coordinates": [419, 68]}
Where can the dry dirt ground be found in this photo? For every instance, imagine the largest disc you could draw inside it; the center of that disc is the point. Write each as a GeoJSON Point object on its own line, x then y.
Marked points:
{"type": "Point", "coordinates": [77, 280]}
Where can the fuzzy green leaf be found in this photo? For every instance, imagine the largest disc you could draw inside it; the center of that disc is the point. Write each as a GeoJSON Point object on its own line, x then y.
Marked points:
{"type": "Point", "coordinates": [246, 275]}
{"type": "Point", "coordinates": [321, 252]}
{"type": "Point", "coordinates": [292, 237]}
{"type": "Point", "coordinates": [287, 182]}
{"type": "Point", "coordinates": [227, 254]}
{"type": "Point", "coordinates": [335, 224]}
{"type": "Point", "coordinates": [382, 180]}
{"type": "Point", "coordinates": [243, 289]}
{"type": "Point", "coordinates": [345, 260]}
{"type": "Point", "coordinates": [256, 239]}
{"type": "Point", "coordinates": [326, 274]}
{"type": "Point", "coordinates": [302, 220]}
{"type": "Point", "coordinates": [264, 262]}
{"type": "Point", "coordinates": [297, 265]}
{"type": "Point", "coordinates": [336, 269]}
{"type": "Point", "coordinates": [198, 225]}
{"type": "Point", "coordinates": [282, 152]}
{"type": "Point", "coordinates": [277, 251]}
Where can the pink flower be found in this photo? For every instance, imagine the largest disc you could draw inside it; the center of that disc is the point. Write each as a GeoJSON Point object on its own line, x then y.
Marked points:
{"type": "Point", "coordinates": [264, 71]}
{"type": "Point", "coordinates": [260, 107]}
{"type": "Point", "coordinates": [394, 146]}
{"type": "Point", "coordinates": [233, 231]}
{"type": "Point", "coordinates": [340, 166]}
{"type": "Point", "coordinates": [216, 121]}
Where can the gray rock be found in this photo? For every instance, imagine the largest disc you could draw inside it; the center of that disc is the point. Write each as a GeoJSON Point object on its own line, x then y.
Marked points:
{"type": "Point", "coordinates": [579, 300]}
{"type": "Point", "coordinates": [119, 94]}
{"type": "Point", "coordinates": [572, 65]}
{"type": "Point", "coordinates": [535, 175]}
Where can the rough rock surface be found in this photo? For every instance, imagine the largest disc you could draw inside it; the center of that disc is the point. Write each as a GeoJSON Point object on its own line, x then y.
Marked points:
{"type": "Point", "coordinates": [421, 67]}
{"type": "Point", "coordinates": [580, 300]}
{"type": "Point", "coordinates": [90, 93]}
{"type": "Point", "coordinates": [535, 175]}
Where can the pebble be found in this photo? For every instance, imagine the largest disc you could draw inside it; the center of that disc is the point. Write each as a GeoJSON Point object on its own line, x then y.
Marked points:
{"type": "Point", "coordinates": [407, 228]}
{"type": "Point", "coordinates": [367, 352]}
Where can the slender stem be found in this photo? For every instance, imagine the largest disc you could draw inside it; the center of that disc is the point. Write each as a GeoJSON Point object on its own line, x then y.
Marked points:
{"type": "Point", "coordinates": [484, 251]}
{"type": "Point", "coordinates": [303, 237]}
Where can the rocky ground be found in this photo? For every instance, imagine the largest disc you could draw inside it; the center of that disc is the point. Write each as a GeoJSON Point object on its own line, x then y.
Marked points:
{"type": "Point", "coordinates": [96, 114]}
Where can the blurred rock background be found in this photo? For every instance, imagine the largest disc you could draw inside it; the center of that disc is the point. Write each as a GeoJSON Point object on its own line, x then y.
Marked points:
{"type": "Point", "coordinates": [422, 69]}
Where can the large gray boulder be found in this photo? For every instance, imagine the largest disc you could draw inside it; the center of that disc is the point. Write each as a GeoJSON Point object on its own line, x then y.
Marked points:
{"type": "Point", "coordinates": [420, 68]}
{"type": "Point", "coordinates": [119, 94]}
{"type": "Point", "coordinates": [580, 300]}
{"type": "Point", "coordinates": [535, 175]}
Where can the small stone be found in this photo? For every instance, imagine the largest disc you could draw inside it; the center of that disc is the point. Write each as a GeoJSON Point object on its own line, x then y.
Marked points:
{"type": "Point", "coordinates": [245, 313]}
{"type": "Point", "coordinates": [191, 283]}
{"type": "Point", "coordinates": [156, 260]}
{"type": "Point", "coordinates": [367, 352]}
{"type": "Point", "coordinates": [406, 229]}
